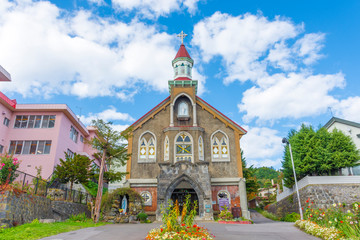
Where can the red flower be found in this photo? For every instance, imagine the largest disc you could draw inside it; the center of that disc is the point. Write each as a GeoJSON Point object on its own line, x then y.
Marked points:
{"type": "Point", "coordinates": [307, 200]}
{"type": "Point", "coordinates": [194, 226]}
{"type": "Point", "coordinates": [183, 224]}
{"type": "Point", "coordinates": [341, 221]}
{"type": "Point", "coordinates": [162, 229]}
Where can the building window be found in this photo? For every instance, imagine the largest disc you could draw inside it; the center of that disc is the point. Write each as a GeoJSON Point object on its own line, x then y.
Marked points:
{"type": "Point", "coordinates": [147, 147]}
{"type": "Point", "coordinates": [6, 121]}
{"type": "Point", "coordinates": [70, 153]}
{"type": "Point", "coordinates": [201, 148]}
{"type": "Point", "coordinates": [183, 147]}
{"type": "Point", "coordinates": [220, 148]}
{"type": "Point", "coordinates": [34, 121]}
{"type": "Point", "coordinates": [146, 196]}
{"type": "Point", "coordinates": [81, 138]}
{"type": "Point", "coordinates": [74, 134]}
{"type": "Point", "coordinates": [30, 147]}
{"type": "Point", "coordinates": [166, 149]}
{"type": "Point", "coordinates": [1, 148]}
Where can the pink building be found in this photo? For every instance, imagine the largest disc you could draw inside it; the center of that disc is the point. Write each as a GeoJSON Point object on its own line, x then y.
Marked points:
{"type": "Point", "coordinates": [40, 134]}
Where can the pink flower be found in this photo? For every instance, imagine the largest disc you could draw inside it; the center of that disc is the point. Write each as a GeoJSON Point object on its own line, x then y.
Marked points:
{"type": "Point", "coordinates": [15, 159]}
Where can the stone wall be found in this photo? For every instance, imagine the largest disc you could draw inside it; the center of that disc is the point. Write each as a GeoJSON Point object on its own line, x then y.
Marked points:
{"type": "Point", "coordinates": [63, 210]}
{"type": "Point", "coordinates": [322, 195]}
{"type": "Point", "coordinates": [20, 208]}
{"type": "Point", "coordinates": [16, 209]}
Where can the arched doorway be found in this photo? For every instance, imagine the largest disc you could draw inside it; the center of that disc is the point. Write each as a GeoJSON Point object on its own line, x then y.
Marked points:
{"type": "Point", "coordinates": [181, 191]}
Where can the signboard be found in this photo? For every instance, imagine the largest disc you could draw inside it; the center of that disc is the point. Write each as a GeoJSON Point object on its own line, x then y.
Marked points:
{"type": "Point", "coordinates": [223, 202]}
{"type": "Point", "coordinates": [213, 202]}
{"type": "Point", "coordinates": [207, 206]}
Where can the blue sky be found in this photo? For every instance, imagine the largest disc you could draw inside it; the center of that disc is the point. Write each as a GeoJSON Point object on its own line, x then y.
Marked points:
{"type": "Point", "coordinates": [268, 65]}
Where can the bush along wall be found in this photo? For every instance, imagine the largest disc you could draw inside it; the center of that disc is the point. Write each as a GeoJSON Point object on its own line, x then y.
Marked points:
{"type": "Point", "coordinates": [323, 196]}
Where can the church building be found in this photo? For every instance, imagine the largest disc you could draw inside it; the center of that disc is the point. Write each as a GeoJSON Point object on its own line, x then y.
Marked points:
{"type": "Point", "coordinates": [185, 146]}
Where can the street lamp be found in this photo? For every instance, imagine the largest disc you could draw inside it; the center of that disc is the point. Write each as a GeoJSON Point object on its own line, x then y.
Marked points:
{"type": "Point", "coordinates": [284, 140]}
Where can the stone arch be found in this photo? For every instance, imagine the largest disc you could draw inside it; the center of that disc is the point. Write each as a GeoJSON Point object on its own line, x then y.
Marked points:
{"type": "Point", "coordinates": [199, 191]}
{"type": "Point", "coordinates": [185, 95]}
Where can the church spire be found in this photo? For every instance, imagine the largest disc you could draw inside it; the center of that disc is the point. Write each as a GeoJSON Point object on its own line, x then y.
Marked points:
{"type": "Point", "coordinates": [182, 62]}
{"type": "Point", "coordinates": [182, 65]}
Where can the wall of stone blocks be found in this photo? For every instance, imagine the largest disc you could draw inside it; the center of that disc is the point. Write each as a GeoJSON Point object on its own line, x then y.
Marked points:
{"type": "Point", "coordinates": [63, 210]}
{"type": "Point", "coordinates": [17, 209]}
{"type": "Point", "coordinates": [322, 196]}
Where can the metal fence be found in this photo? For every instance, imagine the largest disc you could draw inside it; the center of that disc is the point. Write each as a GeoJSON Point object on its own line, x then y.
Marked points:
{"type": "Point", "coordinates": [50, 189]}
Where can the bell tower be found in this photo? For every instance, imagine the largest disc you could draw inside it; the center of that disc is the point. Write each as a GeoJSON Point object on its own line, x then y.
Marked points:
{"type": "Point", "coordinates": [182, 65]}
{"type": "Point", "coordinates": [183, 89]}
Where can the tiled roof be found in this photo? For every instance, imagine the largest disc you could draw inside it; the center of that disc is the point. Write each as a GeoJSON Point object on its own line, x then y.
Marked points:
{"type": "Point", "coordinates": [182, 52]}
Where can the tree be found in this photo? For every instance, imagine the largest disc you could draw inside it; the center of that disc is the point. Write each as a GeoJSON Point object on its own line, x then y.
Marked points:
{"type": "Point", "coordinates": [75, 169]}
{"type": "Point", "coordinates": [252, 185]}
{"type": "Point", "coordinates": [317, 153]}
{"type": "Point", "coordinates": [112, 150]}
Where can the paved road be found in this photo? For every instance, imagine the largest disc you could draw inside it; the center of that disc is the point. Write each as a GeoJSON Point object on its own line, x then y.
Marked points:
{"type": "Point", "coordinates": [263, 229]}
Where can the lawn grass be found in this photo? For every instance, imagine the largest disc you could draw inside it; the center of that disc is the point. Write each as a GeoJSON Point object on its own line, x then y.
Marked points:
{"type": "Point", "coordinates": [36, 230]}
{"type": "Point", "coordinates": [267, 214]}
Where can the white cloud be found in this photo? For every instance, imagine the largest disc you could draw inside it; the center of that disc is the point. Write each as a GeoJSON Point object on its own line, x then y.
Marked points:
{"type": "Point", "coordinates": [261, 143]}
{"type": "Point", "coordinates": [155, 8]}
{"type": "Point", "coordinates": [348, 109]}
{"type": "Point", "coordinates": [242, 41]}
{"type": "Point", "coordinates": [276, 57]}
{"type": "Point", "coordinates": [275, 163]}
{"type": "Point", "coordinates": [293, 96]}
{"type": "Point", "coordinates": [107, 115]}
{"type": "Point", "coordinates": [309, 47]}
{"type": "Point", "coordinates": [96, 2]}
{"type": "Point", "coordinates": [50, 51]}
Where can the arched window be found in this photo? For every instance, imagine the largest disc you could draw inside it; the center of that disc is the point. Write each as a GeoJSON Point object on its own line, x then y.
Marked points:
{"type": "Point", "coordinates": [220, 148]}
{"type": "Point", "coordinates": [183, 147]}
{"type": "Point", "coordinates": [166, 149]}
{"type": "Point", "coordinates": [183, 109]}
{"type": "Point", "coordinates": [147, 147]}
{"type": "Point", "coordinates": [201, 148]}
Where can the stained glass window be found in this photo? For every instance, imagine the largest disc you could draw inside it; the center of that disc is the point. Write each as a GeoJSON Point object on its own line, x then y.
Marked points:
{"type": "Point", "coordinates": [166, 149]}
{"type": "Point", "coordinates": [201, 148]}
{"type": "Point", "coordinates": [183, 147]}
{"type": "Point", "coordinates": [220, 149]}
{"type": "Point", "coordinates": [147, 147]}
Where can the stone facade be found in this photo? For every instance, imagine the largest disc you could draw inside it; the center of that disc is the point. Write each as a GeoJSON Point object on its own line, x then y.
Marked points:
{"type": "Point", "coordinates": [182, 145]}
{"type": "Point", "coordinates": [323, 196]}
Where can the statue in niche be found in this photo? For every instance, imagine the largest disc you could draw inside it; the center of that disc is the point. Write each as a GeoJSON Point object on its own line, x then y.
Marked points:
{"type": "Point", "coordinates": [183, 109]}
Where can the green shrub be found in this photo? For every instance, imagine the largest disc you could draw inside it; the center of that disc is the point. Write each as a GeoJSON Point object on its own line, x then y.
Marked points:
{"type": "Point", "coordinates": [78, 218]}
{"type": "Point", "coordinates": [291, 217]}
{"type": "Point", "coordinates": [8, 166]}
{"type": "Point", "coordinates": [142, 216]}
{"type": "Point", "coordinates": [225, 214]}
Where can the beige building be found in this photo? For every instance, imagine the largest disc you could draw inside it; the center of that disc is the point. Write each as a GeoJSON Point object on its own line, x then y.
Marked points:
{"type": "Point", "coordinates": [185, 146]}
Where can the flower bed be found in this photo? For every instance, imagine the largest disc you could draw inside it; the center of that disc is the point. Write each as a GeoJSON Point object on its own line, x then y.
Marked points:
{"type": "Point", "coordinates": [336, 222]}
{"type": "Point", "coordinates": [318, 231]}
{"type": "Point", "coordinates": [179, 226]}
{"type": "Point", "coordinates": [194, 232]}
{"type": "Point", "coordinates": [234, 222]}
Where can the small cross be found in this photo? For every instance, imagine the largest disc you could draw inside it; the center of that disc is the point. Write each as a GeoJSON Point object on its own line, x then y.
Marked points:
{"type": "Point", "coordinates": [182, 35]}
